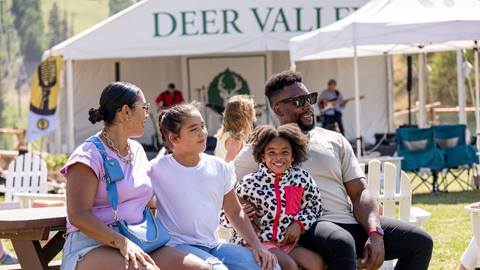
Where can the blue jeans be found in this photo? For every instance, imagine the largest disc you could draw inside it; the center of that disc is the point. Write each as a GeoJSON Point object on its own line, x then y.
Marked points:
{"type": "Point", "coordinates": [225, 256]}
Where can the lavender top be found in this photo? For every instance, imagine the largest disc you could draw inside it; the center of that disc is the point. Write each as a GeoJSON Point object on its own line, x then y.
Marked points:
{"type": "Point", "coordinates": [134, 191]}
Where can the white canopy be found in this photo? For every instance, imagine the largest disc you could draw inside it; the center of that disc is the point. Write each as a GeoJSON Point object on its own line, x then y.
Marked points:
{"type": "Point", "coordinates": [154, 28]}
{"type": "Point", "coordinates": [393, 26]}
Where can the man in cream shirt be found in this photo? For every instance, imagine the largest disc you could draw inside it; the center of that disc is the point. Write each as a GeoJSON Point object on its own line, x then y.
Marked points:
{"type": "Point", "coordinates": [350, 226]}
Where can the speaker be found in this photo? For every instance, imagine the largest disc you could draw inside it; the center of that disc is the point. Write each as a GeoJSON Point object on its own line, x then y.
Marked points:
{"type": "Point", "coordinates": [409, 74]}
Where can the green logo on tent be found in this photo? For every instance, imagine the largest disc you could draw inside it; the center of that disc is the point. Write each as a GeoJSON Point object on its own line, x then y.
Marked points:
{"type": "Point", "coordinates": [225, 85]}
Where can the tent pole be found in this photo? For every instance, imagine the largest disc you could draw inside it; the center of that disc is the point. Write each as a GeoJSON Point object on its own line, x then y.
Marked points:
{"type": "Point", "coordinates": [421, 92]}
{"type": "Point", "coordinates": [70, 109]}
{"type": "Point", "coordinates": [462, 116]}
{"type": "Point", "coordinates": [391, 126]}
{"type": "Point", "coordinates": [185, 85]}
{"type": "Point", "coordinates": [358, 136]}
{"type": "Point", "coordinates": [477, 92]}
{"type": "Point", "coordinates": [58, 131]}
{"type": "Point", "coordinates": [268, 72]}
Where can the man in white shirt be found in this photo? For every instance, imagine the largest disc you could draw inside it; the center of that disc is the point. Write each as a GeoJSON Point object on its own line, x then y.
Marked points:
{"type": "Point", "coordinates": [350, 225]}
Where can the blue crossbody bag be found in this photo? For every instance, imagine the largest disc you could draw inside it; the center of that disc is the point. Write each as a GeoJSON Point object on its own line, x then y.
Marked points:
{"type": "Point", "coordinates": [149, 234]}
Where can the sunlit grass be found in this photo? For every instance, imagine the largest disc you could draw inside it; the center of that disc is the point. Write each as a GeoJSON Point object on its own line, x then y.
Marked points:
{"type": "Point", "coordinates": [449, 225]}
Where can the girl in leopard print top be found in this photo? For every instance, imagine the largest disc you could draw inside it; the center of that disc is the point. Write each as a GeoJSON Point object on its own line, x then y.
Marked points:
{"type": "Point", "coordinates": [285, 195]}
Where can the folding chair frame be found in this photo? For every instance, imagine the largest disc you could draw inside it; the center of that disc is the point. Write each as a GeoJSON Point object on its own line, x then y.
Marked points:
{"type": "Point", "coordinates": [423, 175]}
{"type": "Point", "coordinates": [457, 173]}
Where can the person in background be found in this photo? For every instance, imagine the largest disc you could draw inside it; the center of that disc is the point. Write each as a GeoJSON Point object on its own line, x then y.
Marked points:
{"type": "Point", "coordinates": [237, 125]}
{"type": "Point", "coordinates": [168, 98]}
{"type": "Point", "coordinates": [5, 256]}
{"type": "Point", "coordinates": [331, 107]}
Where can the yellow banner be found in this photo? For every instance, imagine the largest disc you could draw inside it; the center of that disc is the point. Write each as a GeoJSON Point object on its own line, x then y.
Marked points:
{"type": "Point", "coordinates": [45, 86]}
{"type": "Point", "coordinates": [44, 97]}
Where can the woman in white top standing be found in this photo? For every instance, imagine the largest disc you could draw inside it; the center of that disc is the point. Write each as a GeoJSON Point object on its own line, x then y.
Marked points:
{"type": "Point", "coordinates": [237, 125]}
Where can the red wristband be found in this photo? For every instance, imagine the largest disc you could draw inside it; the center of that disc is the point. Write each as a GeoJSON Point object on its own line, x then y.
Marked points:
{"type": "Point", "coordinates": [377, 230]}
{"type": "Point", "coordinates": [372, 230]}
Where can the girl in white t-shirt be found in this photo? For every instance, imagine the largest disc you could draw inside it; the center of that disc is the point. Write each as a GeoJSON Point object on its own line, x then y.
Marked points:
{"type": "Point", "coordinates": [191, 189]}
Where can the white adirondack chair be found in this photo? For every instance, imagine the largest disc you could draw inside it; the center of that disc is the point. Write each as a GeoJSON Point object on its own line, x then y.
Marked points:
{"type": "Point", "coordinates": [475, 219]}
{"type": "Point", "coordinates": [389, 198]}
{"type": "Point", "coordinates": [27, 181]}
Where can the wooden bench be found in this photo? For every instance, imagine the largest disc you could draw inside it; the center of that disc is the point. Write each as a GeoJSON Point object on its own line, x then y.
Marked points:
{"type": "Point", "coordinates": [27, 227]}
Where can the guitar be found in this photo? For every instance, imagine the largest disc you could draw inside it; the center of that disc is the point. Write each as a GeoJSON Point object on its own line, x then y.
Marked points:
{"type": "Point", "coordinates": [327, 105]}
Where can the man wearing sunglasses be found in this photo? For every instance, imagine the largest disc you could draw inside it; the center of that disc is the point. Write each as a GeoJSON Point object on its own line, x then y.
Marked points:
{"type": "Point", "coordinates": [350, 226]}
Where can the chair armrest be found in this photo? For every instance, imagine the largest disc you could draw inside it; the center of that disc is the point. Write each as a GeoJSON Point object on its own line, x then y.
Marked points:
{"type": "Point", "coordinates": [418, 216]}
{"type": "Point", "coordinates": [26, 199]}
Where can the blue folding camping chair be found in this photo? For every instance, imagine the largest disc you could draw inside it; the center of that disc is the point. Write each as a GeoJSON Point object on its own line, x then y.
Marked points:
{"type": "Point", "coordinates": [458, 155]}
{"type": "Point", "coordinates": [419, 152]}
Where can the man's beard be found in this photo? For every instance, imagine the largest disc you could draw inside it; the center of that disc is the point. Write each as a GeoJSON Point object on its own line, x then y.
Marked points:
{"type": "Point", "coordinates": [305, 127]}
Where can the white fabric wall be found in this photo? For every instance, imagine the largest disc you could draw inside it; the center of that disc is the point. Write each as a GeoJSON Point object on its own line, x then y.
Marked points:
{"type": "Point", "coordinates": [153, 74]}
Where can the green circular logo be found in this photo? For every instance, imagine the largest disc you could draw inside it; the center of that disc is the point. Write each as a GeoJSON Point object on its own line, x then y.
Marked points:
{"type": "Point", "coordinates": [225, 85]}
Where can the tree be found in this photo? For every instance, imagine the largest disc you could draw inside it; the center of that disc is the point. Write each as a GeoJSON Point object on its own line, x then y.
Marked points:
{"type": "Point", "coordinates": [64, 30]}
{"type": "Point", "coordinates": [54, 26]}
{"type": "Point", "coordinates": [7, 50]}
{"type": "Point", "coordinates": [118, 5]}
{"type": "Point", "coordinates": [29, 24]}
{"type": "Point", "coordinates": [444, 78]}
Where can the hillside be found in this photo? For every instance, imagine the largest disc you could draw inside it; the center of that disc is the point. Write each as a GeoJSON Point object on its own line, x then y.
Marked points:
{"type": "Point", "coordinates": [82, 13]}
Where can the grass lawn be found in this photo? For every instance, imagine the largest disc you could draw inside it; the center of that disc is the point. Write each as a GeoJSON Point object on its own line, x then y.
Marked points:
{"type": "Point", "coordinates": [449, 226]}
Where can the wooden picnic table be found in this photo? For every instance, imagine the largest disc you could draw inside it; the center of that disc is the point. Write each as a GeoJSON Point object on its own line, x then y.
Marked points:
{"type": "Point", "coordinates": [27, 227]}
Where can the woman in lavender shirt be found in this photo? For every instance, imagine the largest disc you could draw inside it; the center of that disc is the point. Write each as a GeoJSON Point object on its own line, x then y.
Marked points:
{"type": "Point", "coordinates": [93, 241]}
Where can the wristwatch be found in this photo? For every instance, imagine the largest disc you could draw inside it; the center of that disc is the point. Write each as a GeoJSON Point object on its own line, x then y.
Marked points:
{"type": "Point", "coordinates": [377, 230]}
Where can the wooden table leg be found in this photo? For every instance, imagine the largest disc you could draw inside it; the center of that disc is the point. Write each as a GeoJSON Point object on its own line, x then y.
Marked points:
{"type": "Point", "coordinates": [53, 247]}
{"type": "Point", "coordinates": [29, 254]}
{"type": "Point", "coordinates": [32, 256]}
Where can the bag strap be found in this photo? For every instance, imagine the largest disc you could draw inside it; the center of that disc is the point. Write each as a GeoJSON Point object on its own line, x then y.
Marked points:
{"type": "Point", "coordinates": [112, 192]}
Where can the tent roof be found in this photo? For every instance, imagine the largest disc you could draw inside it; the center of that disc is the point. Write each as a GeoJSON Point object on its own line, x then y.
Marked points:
{"type": "Point", "coordinates": [185, 27]}
{"type": "Point", "coordinates": [393, 26]}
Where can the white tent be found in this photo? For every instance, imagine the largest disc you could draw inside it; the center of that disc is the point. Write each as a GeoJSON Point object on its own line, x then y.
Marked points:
{"type": "Point", "coordinates": [189, 43]}
{"type": "Point", "coordinates": [393, 26]}
{"type": "Point", "coordinates": [389, 27]}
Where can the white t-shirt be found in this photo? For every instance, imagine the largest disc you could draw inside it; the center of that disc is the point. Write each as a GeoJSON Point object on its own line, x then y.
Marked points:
{"type": "Point", "coordinates": [331, 163]}
{"type": "Point", "coordinates": [189, 199]}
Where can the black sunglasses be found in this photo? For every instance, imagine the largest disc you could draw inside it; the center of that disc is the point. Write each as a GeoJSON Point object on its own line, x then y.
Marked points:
{"type": "Point", "coordinates": [300, 101]}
